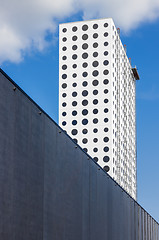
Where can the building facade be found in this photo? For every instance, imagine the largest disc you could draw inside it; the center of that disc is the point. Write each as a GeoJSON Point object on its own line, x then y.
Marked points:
{"type": "Point", "coordinates": [97, 96]}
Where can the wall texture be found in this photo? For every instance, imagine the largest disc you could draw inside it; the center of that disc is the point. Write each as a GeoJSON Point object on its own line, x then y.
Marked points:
{"type": "Point", "coordinates": [50, 189]}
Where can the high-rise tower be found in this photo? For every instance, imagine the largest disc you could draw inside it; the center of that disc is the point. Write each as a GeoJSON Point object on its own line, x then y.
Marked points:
{"type": "Point", "coordinates": [97, 96]}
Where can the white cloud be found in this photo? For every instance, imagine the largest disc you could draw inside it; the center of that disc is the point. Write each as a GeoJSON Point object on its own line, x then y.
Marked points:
{"type": "Point", "coordinates": [24, 24]}
{"type": "Point", "coordinates": [127, 14]}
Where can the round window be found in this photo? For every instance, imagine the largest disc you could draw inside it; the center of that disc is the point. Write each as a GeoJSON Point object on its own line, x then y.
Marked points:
{"type": "Point", "coordinates": [84, 112]}
{"type": "Point", "coordinates": [106, 149]}
{"type": "Point", "coordinates": [84, 121]}
{"type": "Point", "coordinates": [106, 168]}
{"type": "Point", "coordinates": [74, 122]}
{"type": "Point", "coordinates": [85, 27]}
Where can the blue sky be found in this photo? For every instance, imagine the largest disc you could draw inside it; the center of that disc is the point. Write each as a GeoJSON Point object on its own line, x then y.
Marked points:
{"type": "Point", "coordinates": [34, 67]}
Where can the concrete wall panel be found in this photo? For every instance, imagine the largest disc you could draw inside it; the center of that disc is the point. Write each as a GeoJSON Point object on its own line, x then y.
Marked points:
{"type": "Point", "coordinates": [51, 189]}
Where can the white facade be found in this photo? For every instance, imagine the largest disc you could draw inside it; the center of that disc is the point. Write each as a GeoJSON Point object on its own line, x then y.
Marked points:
{"type": "Point", "coordinates": [97, 96]}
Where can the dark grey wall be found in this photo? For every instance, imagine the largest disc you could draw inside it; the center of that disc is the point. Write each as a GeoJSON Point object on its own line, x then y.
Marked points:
{"type": "Point", "coordinates": [50, 189]}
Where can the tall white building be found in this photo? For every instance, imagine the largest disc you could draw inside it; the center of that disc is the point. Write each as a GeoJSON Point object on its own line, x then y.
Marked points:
{"type": "Point", "coordinates": [97, 96]}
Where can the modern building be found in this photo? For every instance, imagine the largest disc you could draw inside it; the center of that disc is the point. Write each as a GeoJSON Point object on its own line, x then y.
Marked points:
{"type": "Point", "coordinates": [97, 96]}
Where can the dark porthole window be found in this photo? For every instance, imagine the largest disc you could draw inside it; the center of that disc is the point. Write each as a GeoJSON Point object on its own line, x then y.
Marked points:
{"type": "Point", "coordinates": [105, 24]}
{"type": "Point", "coordinates": [74, 29]}
{"type": "Point", "coordinates": [64, 85]}
{"type": "Point", "coordinates": [106, 72]}
{"type": "Point", "coordinates": [85, 46]}
{"type": "Point", "coordinates": [74, 103]}
{"type": "Point", "coordinates": [95, 54]}
{"type": "Point", "coordinates": [64, 67]}
{"type": "Point", "coordinates": [74, 75]}
{"type": "Point", "coordinates": [85, 93]}
{"type": "Point", "coordinates": [84, 74]}
{"type": "Point", "coordinates": [64, 123]}
{"type": "Point", "coordinates": [95, 26]}
{"type": "Point", "coordinates": [106, 44]}
{"type": "Point", "coordinates": [95, 149]}
{"type": "Point", "coordinates": [74, 38]}
{"type": "Point", "coordinates": [74, 94]}
{"type": "Point", "coordinates": [95, 140]}
{"type": "Point", "coordinates": [95, 82]}
{"type": "Point", "coordinates": [85, 149]}
{"type": "Point", "coordinates": [74, 113]}
{"type": "Point", "coordinates": [106, 129]}
{"type": "Point", "coordinates": [95, 64]}
{"type": "Point", "coordinates": [84, 64]}
{"type": "Point", "coordinates": [75, 140]}
{"type": "Point", "coordinates": [106, 139]}
{"type": "Point", "coordinates": [95, 45]}
{"type": "Point", "coordinates": [95, 130]}
{"type": "Point", "coordinates": [84, 121]}
{"type": "Point", "coordinates": [64, 30]}
{"type": "Point", "coordinates": [105, 91]}
{"type": "Point", "coordinates": [64, 95]}
{"type": "Point", "coordinates": [84, 36]}
{"type": "Point", "coordinates": [96, 159]}
{"type": "Point", "coordinates": [64, 48]}
{"type": "Point", "coordinates": [106, 159]}
{"type": "Point", "coordinates": [84, 102]}
{"type": "Point", "coordinates": [74, 122]}
{"type": "Point", "coordinates": [64, 58]}
{"type": "Point", "coordinates": [64, 39]}
{"type": "Point", "coordinates": [106, 81]}
{"type": "Point", "coordinates": [64, 104]}
{"type": "Point", "coordinates": [105, 34]}
{"type": "Point", "coordinates": [95, 73]}
{"type": "Point", "coordinates": [95, 120]}
{"type": "Point", "coordinates": [74, 132]}
{"type": "Point", "coordinates": [64, 114]}
{"type": "Point", "coordinates": [95, 101]}
{"type": "Point", "coordinates": [74, 47]}
{"type": "Point", "coordinates": [84, 112]}
{"type": "Point", "coordinates": [64, 76]}
{"type": "Point", "coordinates": [95, 35]}
{"type": "Point", "coordinates": [74, 65]}
{"type": "Point", "coordinates": [95, 92]}
{"type": "Point", "coordinates": [74, 56]}
{"type": "Point", "coordinates": [95, 111]}
{"type": "Point", "coordinates": [85, 55]}
{"type": "Point", "coordinates": [84, 131]}
{"type": "Point", "coordinates": [106, 168]}
{"type": "Point", "coordinates": [106, 100]}
{"type": "Point", "coordinates": [85, 27]}
{"type": "Point", "coordinates": [105, 53]}
{"type": "Point", "coordinates": [85, 84]}
{"type": "Point", "coordinates": [105, 120]}
{"type": "Point", "coordinates": [106, 149]}
{"type": "Point", "coordinates": [84, 140]}
{"type": "Point", "coordinates": [106, 110]}
{"type": "Point", "coordinates": [74, 84]}
{"type": "Point", "coordinates": [106, 62]}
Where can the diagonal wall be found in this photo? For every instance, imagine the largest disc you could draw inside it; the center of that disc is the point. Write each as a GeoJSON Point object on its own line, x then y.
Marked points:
{"type": "Point", "coordinates": [50, 189]}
